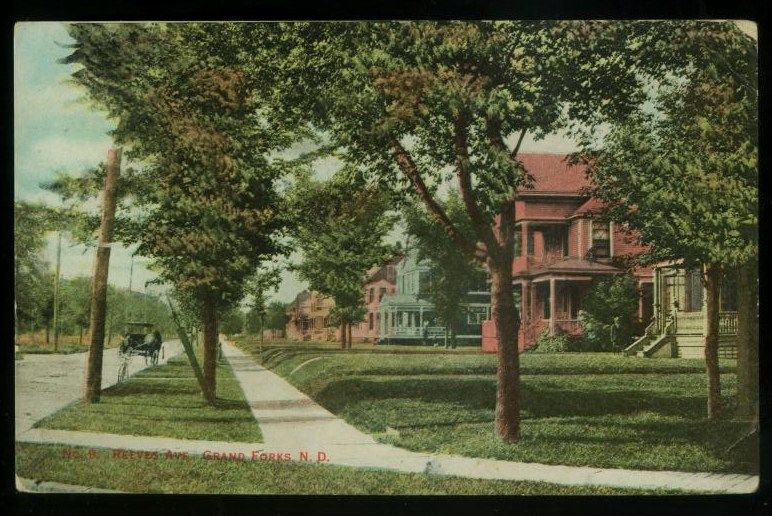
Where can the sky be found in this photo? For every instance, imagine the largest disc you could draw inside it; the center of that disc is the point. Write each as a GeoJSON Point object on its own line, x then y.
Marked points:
{"type": "Point", "coordinates": [56, 130]}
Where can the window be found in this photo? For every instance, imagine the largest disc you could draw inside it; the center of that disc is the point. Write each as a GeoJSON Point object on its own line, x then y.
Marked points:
{"type": "Point", "coordinates": [518, 241]}
{"type": "Point", "coordinates": [693, 291]}
{"type": "Point", "coordinates": [728, 296]}
{"type": "Point", "coordinates": [476, 314]}
{"type": "Point", "coordinates": [372, 295]}
{"type": "Point", "coordinates": [530, 243]}
{"type": "Point", "coordinates": [601, 239]}
{"type": "Point", "coordinates": [371, 321]}
{"type": "Point", "coordinates": [381, 293]}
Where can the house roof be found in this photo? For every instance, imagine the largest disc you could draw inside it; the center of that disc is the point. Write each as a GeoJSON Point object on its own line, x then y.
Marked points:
{"type": "Point", "coordinates": [380, 272]}
{"type": "Point", "coordinates": [590, 207]}
{"type": "Point", "coordinates": [573, 265]}
{"type": "Point", "coordinates": [553, 174]}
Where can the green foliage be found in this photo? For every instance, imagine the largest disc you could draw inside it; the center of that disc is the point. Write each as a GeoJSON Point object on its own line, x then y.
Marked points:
{"type": "Point", "coordinates": [452, 273]}
{"type": "Point", "coordinates": [33, 287]}
{"type": "Point", "coordinates": [275, 316]}
{"type": "Point", "coordinates": [342, 225]}
{"type": "Point", "coordinates": [610, 313]}
{"type": "Point", "coordinates": [232, 322]}
{"type": "Point", "coordinates": [204, 204]}
{"type": "Point", "coordinates": [559, 343]}
{"type": "Point", "coordinates": [682, 170]}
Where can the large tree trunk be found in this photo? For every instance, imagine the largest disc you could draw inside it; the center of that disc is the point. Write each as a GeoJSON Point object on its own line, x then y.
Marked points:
{"type": "Point", "coordinates": [48, 332]}
{"type": "Point", "coordinates": [349, 335]}
{"type": "Point", "coordinates": [507, 323]}
{"type": "Point", "coordinates": [748, 342]}
{"type": "Point", "coordinates": [712, 289]}
{"type": "Point", "coordinates": [211, 337]}
{"type": "Point", "coordinates": [99, 282]}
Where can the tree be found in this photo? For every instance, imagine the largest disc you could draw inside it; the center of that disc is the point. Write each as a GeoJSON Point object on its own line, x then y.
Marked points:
{"type": "Point", "coordinates": [32, 282]}
{"type": "Point", "coordinates": [232, 322]}
{"type": "Point", "coordinates": [275, 316]}
{"type": "Point", "coordinates": [342, 224]}
{"type": "Point", "coordinates": [211, 213]}
{"type": "Point", "coordinates": [416, 103]}
{"type": "Point", "coordinates": [265, 280]}
{"type": "Point", "coordinates": [609, 313]}
{"type": "Point", "coordinates": [451, 271]}
{"type": "Point", "coordinates": [76, 305]}
{"type": "Point", "coordinates": [683, 171]}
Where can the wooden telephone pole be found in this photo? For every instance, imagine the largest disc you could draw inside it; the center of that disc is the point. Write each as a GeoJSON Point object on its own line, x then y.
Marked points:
{"type": "Point", "coordinates": [99, 282]}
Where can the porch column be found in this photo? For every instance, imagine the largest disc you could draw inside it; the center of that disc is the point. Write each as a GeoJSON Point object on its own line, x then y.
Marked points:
{"type": "Point", "coordinates": [420, 316]}
{"type": "Point", "coordinates": [524, 239]}
{"type": "Point", "coordinates": [525, 302]}
{"type": "Point", "coordinates": [553, 305]}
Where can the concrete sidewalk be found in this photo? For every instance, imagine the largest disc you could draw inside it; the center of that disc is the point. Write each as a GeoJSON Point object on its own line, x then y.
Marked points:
{"type": "Point", "coordinates": [291, 420]}
{"type": "Point", "coordinates": [45, 383]}
{"type": "Point", "coordinates": [292, 423]}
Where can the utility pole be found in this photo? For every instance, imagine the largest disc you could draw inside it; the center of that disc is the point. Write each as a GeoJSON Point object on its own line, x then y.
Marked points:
{"type": "Point", "coordinates": [57, 273]}
{"type": "Point", "coordinates": [99, 282]}
{"type": "Point", "coordinates": [131, 272]}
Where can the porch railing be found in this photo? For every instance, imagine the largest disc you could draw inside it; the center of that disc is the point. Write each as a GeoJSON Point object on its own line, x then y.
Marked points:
{"type": "Point", "coordinates": [727, 323]}
{"type": "Point", "coordinates": [432, 332]}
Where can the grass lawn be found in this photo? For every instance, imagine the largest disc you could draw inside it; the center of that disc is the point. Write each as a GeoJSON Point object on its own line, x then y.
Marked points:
{"type": "Point", "coordinates": [357, 347]}
{"type": "Point", "coordinates": [165, 401]}
{"type": "Point", "coordinates": [600, 410]}
{"type": "Point", "coordinates": [196, 475]}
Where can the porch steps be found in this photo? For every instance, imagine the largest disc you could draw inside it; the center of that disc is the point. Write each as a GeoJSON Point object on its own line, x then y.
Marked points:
{"type": "Point", "coordinates": [637, 346]}
{"type": "Point", "coordinates": [654, 348]}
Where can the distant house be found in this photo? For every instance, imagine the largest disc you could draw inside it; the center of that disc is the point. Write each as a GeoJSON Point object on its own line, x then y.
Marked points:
{"type": "Point", "coordinates": [405, 313]}
{"type": "Point", "coordinates": [380, 281]}
{"type": "Point", "coordinates": [308, 317]}
{"type": "Point", "coordinates": [562, 247]}
{"type": "Point", "coordinates": [678, 326]}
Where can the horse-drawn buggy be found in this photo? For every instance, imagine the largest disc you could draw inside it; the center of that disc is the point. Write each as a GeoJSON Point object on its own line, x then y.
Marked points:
{"type": "Point", "coordinates": [139, 340]}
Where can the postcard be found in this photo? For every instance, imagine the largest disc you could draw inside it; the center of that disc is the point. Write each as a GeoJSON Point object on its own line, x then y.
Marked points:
{"type": "Point", "coordinates": [387, 257]}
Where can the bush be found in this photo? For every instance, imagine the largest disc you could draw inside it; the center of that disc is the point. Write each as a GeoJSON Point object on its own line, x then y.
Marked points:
{"type": "Point", "coordinates": [610, 310]}
{"type": "Point", "coordinates": [558, 343]}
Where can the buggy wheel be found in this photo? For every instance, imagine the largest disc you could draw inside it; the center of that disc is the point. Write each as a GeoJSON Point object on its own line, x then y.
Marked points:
{"type": "Point", "coordinates": [154, 358]}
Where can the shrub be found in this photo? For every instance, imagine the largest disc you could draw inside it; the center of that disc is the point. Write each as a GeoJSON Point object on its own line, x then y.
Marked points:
{"type": "Point", "coordinates": [558, 343]}
{"type": "Point", "coordinates": [610, 309]}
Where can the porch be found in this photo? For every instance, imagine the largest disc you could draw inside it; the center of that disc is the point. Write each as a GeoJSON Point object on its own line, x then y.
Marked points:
{"type": "Point", "coordinates": [678, 326]}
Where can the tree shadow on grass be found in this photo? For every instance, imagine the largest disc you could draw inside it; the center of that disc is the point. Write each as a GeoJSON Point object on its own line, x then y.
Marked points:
{"type": "Point", "coordinates": [560, 415]}
{"type": "Point", "coordinates": [536, 401]}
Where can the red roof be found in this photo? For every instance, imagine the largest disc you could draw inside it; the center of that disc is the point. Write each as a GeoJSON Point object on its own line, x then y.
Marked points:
{"type": "Point", "coordinates": [553, 174]}
{"type": "Point", "coordinates": [592, 206]}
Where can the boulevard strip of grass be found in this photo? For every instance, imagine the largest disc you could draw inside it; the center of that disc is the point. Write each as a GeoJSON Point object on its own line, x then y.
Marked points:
{"type": "Point", "coordinates": [165, 401]}
{"type": "Point", "coordinates": [590, 409]}
{"type": "Point", "coordinates": [196, 475]}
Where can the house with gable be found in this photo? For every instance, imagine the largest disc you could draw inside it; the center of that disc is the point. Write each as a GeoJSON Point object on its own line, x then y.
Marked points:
{"type": "Point", "coordinates": [562, 247]}
{"type": "Point", "coordinates": [407, 316]}
{"type": "Point", "coordinates": [380, 281]}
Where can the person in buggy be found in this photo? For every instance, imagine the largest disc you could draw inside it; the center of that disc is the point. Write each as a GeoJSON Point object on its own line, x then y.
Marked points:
{"type": "Point", "coordinates": [152, 341]}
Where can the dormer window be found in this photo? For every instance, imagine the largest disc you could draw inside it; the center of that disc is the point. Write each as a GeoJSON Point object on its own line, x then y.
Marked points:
{"type": "Point", "coordinates": [601, 239]}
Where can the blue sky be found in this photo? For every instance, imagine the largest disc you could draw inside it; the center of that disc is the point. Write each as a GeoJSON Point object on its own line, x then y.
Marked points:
{"type": "Point", "coordinates": [57, 130]}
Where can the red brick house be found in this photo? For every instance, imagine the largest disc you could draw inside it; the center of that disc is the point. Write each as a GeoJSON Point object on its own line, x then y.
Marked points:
{"type": "Point", "coordinates": [381, 280]}
{"type": "Point", "coordinates": [562, 247]}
